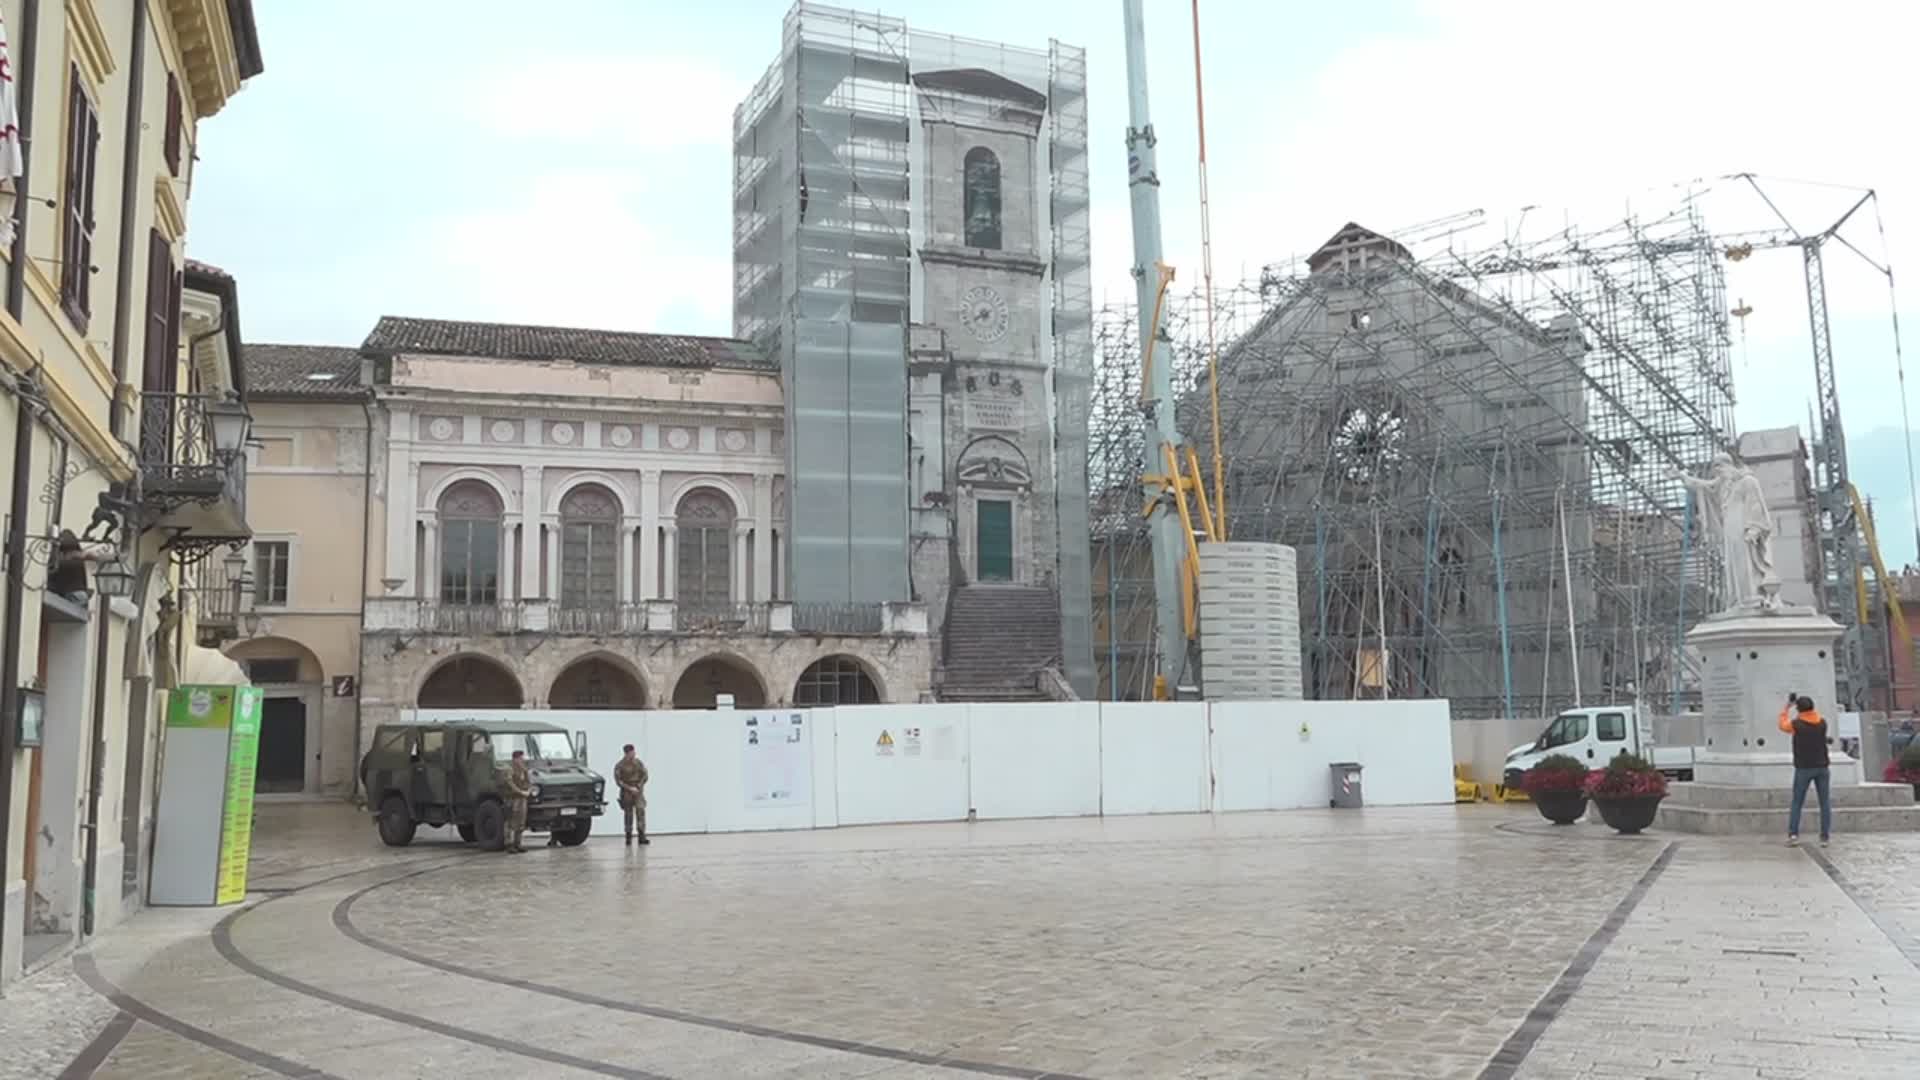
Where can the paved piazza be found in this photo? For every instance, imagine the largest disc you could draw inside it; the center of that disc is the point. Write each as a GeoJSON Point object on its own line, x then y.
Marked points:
{"type": "Point", "coordinates": [1432, 942]}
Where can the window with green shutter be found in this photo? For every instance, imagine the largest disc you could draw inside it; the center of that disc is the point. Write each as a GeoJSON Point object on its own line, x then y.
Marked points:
{"type": "Point", "coordinates": [993, 540]}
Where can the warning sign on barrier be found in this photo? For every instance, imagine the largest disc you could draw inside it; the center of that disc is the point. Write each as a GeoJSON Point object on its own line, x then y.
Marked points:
{"type": "Point", "coordinates": [883, 746]}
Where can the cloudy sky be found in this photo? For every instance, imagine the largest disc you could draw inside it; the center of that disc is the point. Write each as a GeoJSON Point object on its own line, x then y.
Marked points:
{"type": "Point", "coordinates": [454, 158]}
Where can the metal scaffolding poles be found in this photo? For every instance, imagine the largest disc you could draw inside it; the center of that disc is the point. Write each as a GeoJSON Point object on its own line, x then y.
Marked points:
{"type": "Point", "coordinates": [1474, 445]}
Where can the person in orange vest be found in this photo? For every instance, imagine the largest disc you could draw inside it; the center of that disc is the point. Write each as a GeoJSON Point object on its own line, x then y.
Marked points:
{"type": "Point", "coordinates": [1809, 732]}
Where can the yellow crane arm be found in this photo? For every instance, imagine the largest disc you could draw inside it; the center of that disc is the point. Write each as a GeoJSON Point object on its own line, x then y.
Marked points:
{"type": "Point", "coordinates": [1888, 589]}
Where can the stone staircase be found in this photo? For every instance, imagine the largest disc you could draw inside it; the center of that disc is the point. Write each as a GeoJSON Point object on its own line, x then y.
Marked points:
{"type": "Point", "coordinates": [1728, 810]}
{"type": "Point", "coordinates": [997, 643]}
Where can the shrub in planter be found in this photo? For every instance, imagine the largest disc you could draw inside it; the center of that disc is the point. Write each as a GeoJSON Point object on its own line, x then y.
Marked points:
{"type": "Point", "coordinates": [1558, 787]}
{"type": "Point", "coordinates": [1628, 792]}
{"type": "Point", "coordinates": [1906, 768]}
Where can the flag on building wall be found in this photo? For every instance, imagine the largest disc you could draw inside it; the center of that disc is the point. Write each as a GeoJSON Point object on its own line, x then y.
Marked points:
{"type": "Point", "coordinates": [12, 164]}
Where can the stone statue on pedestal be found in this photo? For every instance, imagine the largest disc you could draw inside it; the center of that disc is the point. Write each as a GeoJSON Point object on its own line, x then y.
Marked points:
{"type": "Point", "coordinates": [1734, 511]}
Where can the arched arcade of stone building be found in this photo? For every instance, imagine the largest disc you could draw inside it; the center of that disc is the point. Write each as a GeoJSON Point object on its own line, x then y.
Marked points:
{"type": "Point", "coordinates": [293, 721]}
{"type": "Point", "coordinates": [837, 680]}
{"type": "Point", "coordinates": [468, 681]}
{"type": "Point", "coordinates": [598, 681]}
{"type": "Point", "coordinates": [700, 686]}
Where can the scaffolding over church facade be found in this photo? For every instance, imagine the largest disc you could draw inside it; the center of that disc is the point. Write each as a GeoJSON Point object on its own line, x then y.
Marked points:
{"type": "Point", "coordinates": [1472, 451]}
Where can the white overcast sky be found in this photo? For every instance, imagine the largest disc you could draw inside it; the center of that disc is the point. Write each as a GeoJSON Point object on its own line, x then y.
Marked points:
{"type": "Point", "coordinates": [454, 158]}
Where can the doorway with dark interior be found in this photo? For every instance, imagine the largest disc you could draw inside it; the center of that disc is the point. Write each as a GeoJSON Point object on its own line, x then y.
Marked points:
{"type": "Point", "coordinates": [282, 765]}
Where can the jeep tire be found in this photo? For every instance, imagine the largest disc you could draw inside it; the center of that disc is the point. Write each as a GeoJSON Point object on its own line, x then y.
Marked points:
{"type": "Point", "coordinates": [396, 824]}
{"type": "Point", "coordinates": [490, 825]}
{"type": "Point", "coordinates": [575, 833]}
{"type": "Point", "coordinates": [466, 832]}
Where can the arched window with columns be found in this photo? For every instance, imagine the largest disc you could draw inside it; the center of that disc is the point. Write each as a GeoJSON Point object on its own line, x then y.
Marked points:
{"type": "Point", "coordinates": [703, 527]}
{"type": "Point", "coordinates": [469, 514]}
{"type": "Point", "coordinates": [589, 549]}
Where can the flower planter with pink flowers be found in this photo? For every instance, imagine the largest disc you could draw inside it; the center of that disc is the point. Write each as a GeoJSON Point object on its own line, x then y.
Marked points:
{"type": "Point", "coordinates": [1557, 786]}
{"type": "Point", "coordinates": [1906, 770]}
{"type": "Point", "coordinates": [1627, 793]}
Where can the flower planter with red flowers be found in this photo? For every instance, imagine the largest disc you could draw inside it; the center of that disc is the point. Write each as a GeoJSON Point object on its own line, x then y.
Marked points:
{"type": "Point", "coordinates": [1627, 793]}
{"type": "Point", "coordinates": [1906, 770]}
{"type": "Point", "coordinates": [1558, 787]}
{"type": "Point", "coordinates": [1897, 775]}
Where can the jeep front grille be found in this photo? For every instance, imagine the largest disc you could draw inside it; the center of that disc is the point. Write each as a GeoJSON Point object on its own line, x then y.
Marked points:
{"type": "Point", "coordinates": [566, 793]}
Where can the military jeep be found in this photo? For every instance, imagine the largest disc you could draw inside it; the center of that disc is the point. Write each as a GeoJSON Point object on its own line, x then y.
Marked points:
{"type": "Point", "coordinates": [453, 773]}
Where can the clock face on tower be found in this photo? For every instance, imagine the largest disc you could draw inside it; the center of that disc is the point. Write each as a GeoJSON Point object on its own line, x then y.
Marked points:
{"type": "Point", "coordinates": [984, 311]}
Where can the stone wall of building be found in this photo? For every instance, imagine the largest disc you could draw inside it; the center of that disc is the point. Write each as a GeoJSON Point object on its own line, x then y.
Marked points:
{"type": "Point", "coordinates": [987, 332]}
{"type": "Point", "coordinates": [395, 666]}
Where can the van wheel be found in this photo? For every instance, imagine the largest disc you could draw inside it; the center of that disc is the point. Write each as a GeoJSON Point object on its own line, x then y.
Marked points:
{"type": "Point", "coordinates": [576, 834]}
{"type": "Point", "coordinates": [490, 825]}
{"type": "Point", "coordinates": [396, 825]}
{"type": "Point", "coordinates": [466, 832]}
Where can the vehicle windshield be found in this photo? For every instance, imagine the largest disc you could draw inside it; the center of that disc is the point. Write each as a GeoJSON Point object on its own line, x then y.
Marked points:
{"type": "Point", "coordinates": [539, 745]}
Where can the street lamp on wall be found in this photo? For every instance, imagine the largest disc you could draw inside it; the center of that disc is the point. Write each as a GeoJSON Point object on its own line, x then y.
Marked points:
{"type": "Point", "coordinates": [236, 564]}
{"type": "Point", "coordinates": [114, 579]}
{"type": "Point", "coordinates": [230, 422]}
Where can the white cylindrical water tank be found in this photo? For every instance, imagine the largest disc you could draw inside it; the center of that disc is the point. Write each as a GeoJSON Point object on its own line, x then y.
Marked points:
{"type": "Point", "coordinates": [1249, 597]}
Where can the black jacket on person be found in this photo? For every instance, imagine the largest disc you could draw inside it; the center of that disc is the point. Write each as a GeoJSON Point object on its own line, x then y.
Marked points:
{"type": "Point", "coordinates": [1809, 733]}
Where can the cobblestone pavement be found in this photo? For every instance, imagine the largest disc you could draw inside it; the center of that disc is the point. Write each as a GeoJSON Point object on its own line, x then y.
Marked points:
{"type": "Point", "coordinates": [1418, 943]}
{"type": "Point", "coordinates": [46, 1020]}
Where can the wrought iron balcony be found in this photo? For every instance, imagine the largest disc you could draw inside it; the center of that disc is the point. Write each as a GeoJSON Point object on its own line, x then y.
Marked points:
{"type": "Point", "coordinates": [720, 618]}
{"type": "Point", "coordinates": [599, 622]}
{"type": "Point", "coordinates": [501, 618]}
{"type": "Point", "coordinates": [839, 618]}
{"type": "Point", "coordinates": [407, 615]}
{"type": "Point", "coordinates": [216, 590]}
{"type": "Point", "coordinates": [192, 469]}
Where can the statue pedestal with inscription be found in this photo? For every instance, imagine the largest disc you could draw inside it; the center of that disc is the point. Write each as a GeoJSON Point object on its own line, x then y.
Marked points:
{"type": "Point", "coordinates": [1753, 661]}
{"type": "Point", "coordinates": [1743, 775]}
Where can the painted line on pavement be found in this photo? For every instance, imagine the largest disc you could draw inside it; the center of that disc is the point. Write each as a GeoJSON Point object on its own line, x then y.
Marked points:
{"type": "Point", "coordinates": [99, 1048]}
{"type": "Point", "coordinates": [133, 1009]}
{"type": "Point", "coordinates": [127, 1003]}
{"type": "Point", "coordinates": [223, 944]}
{"type": "Point", "coordinates": [343, 920]}
{"type": "Point", "coordinates": [1886, 925]}
{"type": "Point", "coordinates": [1513, 1053]}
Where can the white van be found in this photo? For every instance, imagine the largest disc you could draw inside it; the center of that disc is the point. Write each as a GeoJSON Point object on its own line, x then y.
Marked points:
{"type": "Point", "coordinates": [1594, 735]}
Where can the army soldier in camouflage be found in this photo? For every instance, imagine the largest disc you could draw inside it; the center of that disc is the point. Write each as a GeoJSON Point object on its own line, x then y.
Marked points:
{"type": "Point", "coordinates": [519, 788]}
{"type": "Point", "coordinates": [631, 775]}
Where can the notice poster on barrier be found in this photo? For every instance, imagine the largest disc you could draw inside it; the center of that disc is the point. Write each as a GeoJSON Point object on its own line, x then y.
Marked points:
{"type": "Point", "coordinates": [776, 756]}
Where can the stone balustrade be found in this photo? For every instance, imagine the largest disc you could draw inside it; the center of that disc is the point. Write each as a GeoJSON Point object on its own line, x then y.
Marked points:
{"type": "Point", "coordinates": [406, 615]}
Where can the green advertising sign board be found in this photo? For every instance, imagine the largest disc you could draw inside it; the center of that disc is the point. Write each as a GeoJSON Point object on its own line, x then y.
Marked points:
{"type": "Point", "coordinates": [200, 706]}
{"type": "Point", "coordinates": [205, 827]}
{"type": "Point", "coordinates": [236, 826]}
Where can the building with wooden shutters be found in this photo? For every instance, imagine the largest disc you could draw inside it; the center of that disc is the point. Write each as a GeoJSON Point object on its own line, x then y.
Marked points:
{"type": "Point", "coordinates": [122, 408]}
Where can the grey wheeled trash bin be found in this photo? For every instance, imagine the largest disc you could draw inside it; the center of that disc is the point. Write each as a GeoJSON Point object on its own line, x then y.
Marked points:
{"type": "Point", "coordinates": [1345, 777]}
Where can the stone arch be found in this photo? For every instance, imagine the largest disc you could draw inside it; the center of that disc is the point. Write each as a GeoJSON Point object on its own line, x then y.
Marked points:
{"type": "Point", "coordinates": [720, 484]}
{"type": "Point", "coordinates": [592, 476]}
{"type": "Point", "coordinates": [479, 492]}
{"type": "Point", "coordinates": [469, 680]}
{"type": "Point", "coordinates": [508, 504]}
{"type": "Point", "coordinates": [993, 461]}
{"type": "Point", "coordinates": [274, 647]}
{"type": "Point", "coordinates": [720, 672]}
{"type": "Point", "coordinates": [838, 679]}
{"type": "Point", "coordinates": [598, 679]}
